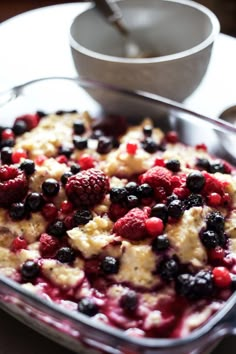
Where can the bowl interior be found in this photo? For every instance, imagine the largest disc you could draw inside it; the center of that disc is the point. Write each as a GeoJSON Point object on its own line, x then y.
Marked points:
{"type": "Point", "coordinates": [162, 26]}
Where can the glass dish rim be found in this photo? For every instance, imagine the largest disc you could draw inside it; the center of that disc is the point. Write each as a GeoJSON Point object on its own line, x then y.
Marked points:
{"type": "Point", "coordinates": [78, 318]}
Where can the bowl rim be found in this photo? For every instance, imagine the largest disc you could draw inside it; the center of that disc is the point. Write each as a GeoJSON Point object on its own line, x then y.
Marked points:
{"type": "Point", "coordinates": [165, 58]}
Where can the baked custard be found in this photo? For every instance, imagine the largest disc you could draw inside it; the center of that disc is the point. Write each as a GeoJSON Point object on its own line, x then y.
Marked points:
{"type": "Point", "coordinates": [124, 224]}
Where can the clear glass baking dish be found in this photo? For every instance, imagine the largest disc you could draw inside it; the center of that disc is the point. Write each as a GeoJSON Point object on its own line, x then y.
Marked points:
{"type": "Point", "coordinates": [75, 330]}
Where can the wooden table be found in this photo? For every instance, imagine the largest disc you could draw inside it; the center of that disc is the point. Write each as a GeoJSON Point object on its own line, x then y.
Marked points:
{"type": "Point", "coordinates": [35, 44]}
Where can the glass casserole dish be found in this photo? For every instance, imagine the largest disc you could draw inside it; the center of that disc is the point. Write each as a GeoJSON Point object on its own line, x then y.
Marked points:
{"type": "Point", "coordinates": [72, 329]}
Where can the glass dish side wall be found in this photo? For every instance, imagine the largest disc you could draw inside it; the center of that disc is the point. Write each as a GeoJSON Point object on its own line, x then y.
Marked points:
{"type": "Point", "coordinates": [53, 95]}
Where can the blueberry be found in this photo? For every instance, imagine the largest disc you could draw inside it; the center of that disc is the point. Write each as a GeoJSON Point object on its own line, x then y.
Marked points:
{"type": "Point", "coordinates": [168, 269]}
{"type": "Point", "coordinates": [195, 181]}
{"type": "Point", "coordinates": [96, 134]}
{"type": "Point", "coordinates": [80, 143]}
{"type": "Point", "coordinates": [105, 145]}
{"type": "Point", "coordinates": [171, 197]}
{"type": "Point", "coordinates": [41, 114]}
{"type": "Point", "coordinates": [203, 164]}
{"type": "Point", "coordinates": [210, 239]}
{"type": "Point", "coordinates": [175, 209]}
{"type": "Point", "coordinates": [65, 255]}
{"type": "Point", "coordinates": [132, 201]}
{"type": "Point", "coordinates": [28, 166]}
{"type": "Point", "coordinates": [160, 211]}
{"type": "Point", "coordinates": [7, 143]}
{"type": "Point", "coordinates": [145, 191]}
{"type": "Point", "coordinates": [132, 188]}
{"type": "Point", "coordinates": [50, 187]}
{"type": "Point", "coordinates": [203, 285]}
{"type": "Point", "coordinates": [79, 127]}
{"type": "Point", "coordinates": [150, 145]}
{"type": "Point", "coordinates": [65, 150]}
{"type": "Point", "coordinates": [215, 221]}
{"type": "Point", "coordinates": [65, 176]}
{"type": "Point", "coordinates": [129, 301]}
{"type": "Point", "coordinates": [60, 112]}
{"type": "Point", "coordinates": [147, 130]}
{"type": "Point", "coordinates": [30, 270]}
{"type": "Point", "coordinates": [17, 211]}
{"type": "Point", "coordinates": [82, 217]}
{"type": "Point", "coordinates": [88, 307]}
{"type": "Point", "coordinates": [193, 200]}
{"type": "Point", "coordinates": [110, 265]}
{"type": "Point", "coordinates": [217, 166]}
{"type": "Point", "coordinates": [6, 154]}
{"type": "Point", "coordinates": [173, 165]}
{"type": "Point", "coordinates": [57, 229]}
{"type": "Point", "coordinates": [75, 168]}
{"type": "Point", "coordinates": [118, 194]}
{"type": "Point", "coordinates": [160, 243]}
{"type": "Point", "coordinates": [20, 127]}
{"type": "Point", "coordinates": [34, 201]}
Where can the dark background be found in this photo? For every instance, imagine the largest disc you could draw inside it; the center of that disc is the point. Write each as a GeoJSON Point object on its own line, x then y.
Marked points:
{"type": "Point", "coordinates": [224, 9]}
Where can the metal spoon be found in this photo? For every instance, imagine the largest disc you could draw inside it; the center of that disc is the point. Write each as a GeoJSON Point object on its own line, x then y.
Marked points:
{"type": "Point", "coordinates": [113, 14]}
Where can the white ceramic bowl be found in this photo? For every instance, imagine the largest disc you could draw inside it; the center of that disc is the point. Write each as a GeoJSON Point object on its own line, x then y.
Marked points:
{"type": "Point", "coordinates": [182, 31]}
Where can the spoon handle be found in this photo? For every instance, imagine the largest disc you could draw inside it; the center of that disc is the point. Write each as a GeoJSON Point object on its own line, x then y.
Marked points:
{"type": "Point", "coordinates": [112, 13]}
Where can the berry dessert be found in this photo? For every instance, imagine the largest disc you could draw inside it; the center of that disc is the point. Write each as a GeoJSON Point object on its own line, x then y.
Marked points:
{"type": "Point", "coordinates": [126, 225]}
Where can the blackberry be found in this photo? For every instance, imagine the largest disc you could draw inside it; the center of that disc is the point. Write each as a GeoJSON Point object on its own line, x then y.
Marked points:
{"type": "Point", "coordinates": [17, 211]}
{"type": "Point", "coordinates": [145, 191]}
{"type": "Point", "coordinates": [65, 150]}
{"type": "Point", "coordinates": [65, 176]}
{"type": "Point", "coordinates": [105, 145]}
{"type": "Point", "coordinates": [30, 270]}
{"type": "Point", "coordinates": [132, 188]}
{"type": "Point", "coordinates": [185, 284]}
{"type": "Point", "coordinates": [28, 166]}
{"type": "Point", "coordinates": [57, 229]}
{"type": "Point", "coordinates": [88, 307]}
{"type": "Point", "coordinates": [195, 181]}
{"type": "Point", "coordinates": [203, 164]}
{"type": "Point", "coordinates": [82, 217]}
{"type": "Point", "coordinates": [160, 243]}
{"type": "Point", "coordinates": [75, 168]}
{"type": "Point", "coordinates": [110, 265]}
{"type": "Point", "coordinates": [6, 154]}
{"type": "Point", "coordinates": [173, 165]}
{"type": "Point", "coordinates": [215, 221]}
{"type": "Point", "coordinates": [160, 211]}
{"type": "Point", "coordinates": [20, 127]}
{"type": "Point", "coordinates": [132, 201]}
{"type": "Point", "coordinates": [210, 239]}
{"type": "Point", "coordinates": [65, 255]}
{"type": "Point", "coordinates": [175, 209]}
{"type": "Point", "coordinates": [193, 200]}
{"type": "Point", "coordinates": [80, 143]}
{"type": "Point", "coordinates": [147, 130]}
{"type": "Point", "coordinates": [150, 145]}
{"type": "Point", "coordinates": [203, 284]}
{"type": "Point", "coordinates": [50, 187]}
{"type": "Point", "coordinates": [168, 269]}
{"type": "Point", "coordinates": [79, 127]}
{"type": "Point", "coordinates": [118, 194]}
{"type": "Point", "coordinates": [34, 201]}
{"type": "Point", "coordinates": [216, 166]}
{"type": "Point", "coordinates": [129, 301]}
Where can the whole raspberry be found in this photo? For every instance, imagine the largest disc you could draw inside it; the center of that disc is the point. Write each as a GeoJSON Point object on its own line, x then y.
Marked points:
{"type": "Point", "coordinates": [13, 185]}
{"type": "Point", "coordinates": [158, 177]}
{"type": "Point", "coordinates": [31, 120]}
{"type": "Point", "coordinates": [48, 245]}
{"type": "Point", "coordinates": [87, 188]}
{"type": "Point", "coordinates": [133, 225]}
{"type": "Point", "coordinates": [212, 185]}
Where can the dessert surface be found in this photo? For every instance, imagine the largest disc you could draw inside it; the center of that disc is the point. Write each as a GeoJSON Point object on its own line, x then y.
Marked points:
{"type": "Point", "coordinates": [124, 224]}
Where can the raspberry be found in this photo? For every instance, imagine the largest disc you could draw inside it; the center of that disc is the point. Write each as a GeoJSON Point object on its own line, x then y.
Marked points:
{"type": "Point", "coordinates": [158, 177]}
{"type": "Point", "coordinates": [13, 185]}
{"type": "Point", "coordinates": [31, 120]}
{"type": "Point", "coordinates": [87, 188]}
{"type": "Point", "coordinates": [212, 185]}
{"type": "Point", "coordinates": [48, 245]}
{"type": "Point", "coordinates": [132, 225]}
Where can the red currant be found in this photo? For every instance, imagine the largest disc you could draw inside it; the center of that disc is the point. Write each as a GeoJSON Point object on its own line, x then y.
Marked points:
{"type": "Point", "coordinates": [154, 226]}
{"type": "Point", "coordinates": [172, 137]}
{"type": "Point", "coordinates": [18, 243]}
{"type": "Point", "coordinates": [18, 154]}
{"type": "Point", "coordinates": [201, 147]}
{"type": "Point", "coordinates": [216, 254]}
{"type": "Point", "coordinates": [131, 148]}
{"type": "Point", "coordinates": [62, 159]}
{"type": "Point", "coordinates": [159, 162]}
{"type": "Point", "coordinates": [39, 160]}
{"type": "Point", "coordinates": [66, 207]}
{"type": "Point", "coordinates": [7, 134]}
{"type": "Point", "coordinates": [49, 211]}
{"type": "Point", "coordinates": [86, 161]}
{"type": "Point", "coordinates": [221, 277]}
{"type": "Point", "coordinates": [214, 199]}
